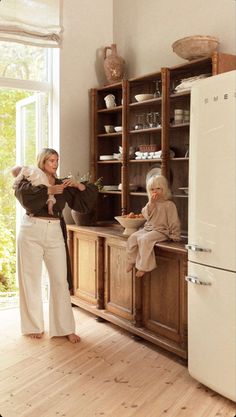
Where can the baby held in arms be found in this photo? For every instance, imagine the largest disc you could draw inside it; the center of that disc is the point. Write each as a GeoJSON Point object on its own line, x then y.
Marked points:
{"type": "Point", "coordinates": [36, 177]}
{"type": "Point", "coordinates": [162, 223]}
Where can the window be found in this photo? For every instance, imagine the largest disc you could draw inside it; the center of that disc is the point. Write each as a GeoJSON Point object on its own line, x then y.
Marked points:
{"type": "Point", "coordinates": [27, 84]}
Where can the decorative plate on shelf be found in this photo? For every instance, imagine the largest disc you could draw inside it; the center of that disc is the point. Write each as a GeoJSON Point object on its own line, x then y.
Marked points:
{"type": "Point", "coordinates": [155, 170]}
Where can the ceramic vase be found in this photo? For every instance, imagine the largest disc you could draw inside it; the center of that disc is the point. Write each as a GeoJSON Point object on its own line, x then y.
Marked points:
{"type": "Point", "coordinates": [113, 64]}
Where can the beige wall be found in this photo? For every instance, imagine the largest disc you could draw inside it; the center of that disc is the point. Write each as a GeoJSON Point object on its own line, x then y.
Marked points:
{"type": "Point", "coordinates": [144, 30]}
{"type": "Point", "coordinates": [87, 29]}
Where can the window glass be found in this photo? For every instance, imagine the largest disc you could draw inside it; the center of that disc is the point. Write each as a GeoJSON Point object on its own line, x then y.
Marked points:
{"type": "Point", "coordinates": [29, 134]}
{"type": "Point", "coordinates": [31, 127]}
{"type": "Point", "coordinates": [23, 62]}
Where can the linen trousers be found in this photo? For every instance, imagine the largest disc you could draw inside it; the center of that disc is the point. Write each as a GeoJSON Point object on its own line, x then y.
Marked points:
{"type": "Point", "coordinates": [140, 249]}
{"type": "Point", "coordinates": [42, 240]}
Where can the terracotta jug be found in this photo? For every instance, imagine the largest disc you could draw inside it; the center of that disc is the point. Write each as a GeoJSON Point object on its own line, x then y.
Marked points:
{"type": "Point", "coordinates": [113, 64]}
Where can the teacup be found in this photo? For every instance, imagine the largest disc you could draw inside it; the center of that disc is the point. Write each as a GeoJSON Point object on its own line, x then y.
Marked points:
{"type": "Point", "coordinates": [109, 128]}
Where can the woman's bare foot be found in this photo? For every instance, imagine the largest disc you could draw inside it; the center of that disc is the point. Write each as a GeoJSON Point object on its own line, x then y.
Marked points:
{"type": "Point", "coordinates": [129, 267]}
{"type": "Point", "coordinates": [73, 338]}
{"type": "Point", "coordinates": [140, 274]}
{"type": "Point", "coordinates": [36, 335]}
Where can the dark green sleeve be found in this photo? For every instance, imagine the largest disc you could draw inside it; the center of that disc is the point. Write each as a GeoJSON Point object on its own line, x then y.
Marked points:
{"type": "Point", "coordinates": [32, 198]}
{"type": "Point", "coordinates": [82, 201]}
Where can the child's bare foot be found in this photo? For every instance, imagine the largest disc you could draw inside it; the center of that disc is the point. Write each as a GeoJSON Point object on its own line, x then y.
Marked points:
{"type": "Point", "coordinates": [140, 274]}
{"type": "Point", "coordinates": [35, 335]}
{"type": "Point", "coordinates": [73, 338]}
{"type": "Point", "coordinates": [129, 267]}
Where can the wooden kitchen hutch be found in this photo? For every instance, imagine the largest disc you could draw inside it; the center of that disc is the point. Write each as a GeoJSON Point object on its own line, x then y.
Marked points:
{"type": "Point", "coordinates": [154, 307]}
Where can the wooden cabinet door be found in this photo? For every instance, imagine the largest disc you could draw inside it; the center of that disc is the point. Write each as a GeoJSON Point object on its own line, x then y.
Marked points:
{"type": "Point", "coordinates": [118, 283]}
{"type": "Point", "coordinates": [85, 266]}
{"type": "Point", "coordinates": [165, 298]}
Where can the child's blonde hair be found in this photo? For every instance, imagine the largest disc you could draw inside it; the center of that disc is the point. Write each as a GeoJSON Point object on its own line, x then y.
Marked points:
{"type": "Point", "coordinates": [156, 181]}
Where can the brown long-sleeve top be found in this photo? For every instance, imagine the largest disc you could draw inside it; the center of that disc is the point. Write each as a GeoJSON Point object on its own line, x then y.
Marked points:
{"type": "Point", "coordinates": [163, 217]}
{"type": "Point", "coordinates": [34, 199]}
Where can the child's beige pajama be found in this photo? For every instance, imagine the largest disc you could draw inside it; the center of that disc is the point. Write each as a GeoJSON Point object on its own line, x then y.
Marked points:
{"type": "Point", "coordinates": [162, 224]}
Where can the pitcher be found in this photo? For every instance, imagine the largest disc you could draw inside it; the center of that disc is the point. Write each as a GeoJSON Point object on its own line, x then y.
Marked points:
{"type": "Point", "coordinates": [110, 101]}
{"type": "Point", "coordinates": [113, 64]}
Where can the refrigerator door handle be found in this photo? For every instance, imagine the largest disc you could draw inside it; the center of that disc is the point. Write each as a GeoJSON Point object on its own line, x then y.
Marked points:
{"type": "Point", "coordinates": [195, 280]}
{"type": "Point", "coordinates": [197, 248]}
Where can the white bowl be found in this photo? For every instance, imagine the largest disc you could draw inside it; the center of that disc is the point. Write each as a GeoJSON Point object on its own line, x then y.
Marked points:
{"type": "Point", "coordinates": [195, 47]}
{"type": "Point", "coordinates": [118, 128]}
{"type": "Point", "coordinates": [130, 225]}
{"type": "Point", "coordinates": [132, 187]}
{"type": "Point", "coordinates": [144, 97]}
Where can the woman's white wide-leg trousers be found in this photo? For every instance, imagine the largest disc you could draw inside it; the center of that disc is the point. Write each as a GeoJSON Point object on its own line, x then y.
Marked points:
{"type": "Point", "coordinates": [42, 240]}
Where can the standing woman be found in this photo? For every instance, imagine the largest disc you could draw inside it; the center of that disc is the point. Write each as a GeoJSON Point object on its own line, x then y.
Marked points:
{"type": "Point", "coordinates": [41, 238]}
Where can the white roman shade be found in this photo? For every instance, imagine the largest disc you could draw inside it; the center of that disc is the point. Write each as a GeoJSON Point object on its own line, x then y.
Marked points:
{"type": "Point", "coordinates": [33, 22]}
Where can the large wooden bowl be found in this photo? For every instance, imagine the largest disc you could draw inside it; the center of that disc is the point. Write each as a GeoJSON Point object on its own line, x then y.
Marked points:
{"type": "Point", "coordinates": [130, 225]}
{"type": "Point", "coordinates": [195, 47]}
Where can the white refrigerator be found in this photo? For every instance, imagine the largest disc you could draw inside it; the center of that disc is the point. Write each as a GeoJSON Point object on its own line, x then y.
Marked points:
{"type": "Point", "coordinates": [212, 234]}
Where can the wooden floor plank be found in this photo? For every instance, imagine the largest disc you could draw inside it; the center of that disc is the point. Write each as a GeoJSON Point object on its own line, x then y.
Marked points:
{"type": "Point", "coordinates": [107, 374]}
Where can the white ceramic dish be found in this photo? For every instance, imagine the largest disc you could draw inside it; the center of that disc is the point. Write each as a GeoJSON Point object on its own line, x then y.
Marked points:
{"type": "Point", "coordinates": [144, 97]}
{"type": "Point", "coordinates": [106, 157]}
{"type": "Point", "coordinates": [110, 187]}
{"type": "Point", "coordinates": [132, 187]}
{"type": "Point", "coordinates": [118, 128]}
{"type": "Point", "coordinates": [195, 47]}
{"type": "Point", "coordinates": [130, 225]}
{"type": "Point", "coordinates": [117, 156]}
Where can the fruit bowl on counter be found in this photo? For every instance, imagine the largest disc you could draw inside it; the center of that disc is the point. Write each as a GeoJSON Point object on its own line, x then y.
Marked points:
{"type": "Point", "coordinates": [131, 224]}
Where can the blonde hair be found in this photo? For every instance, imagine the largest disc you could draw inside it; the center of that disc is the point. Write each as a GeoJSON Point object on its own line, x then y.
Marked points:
{"type": "Point", "coordinates": [156, 181]}
{"type": "Point", "coordinates": [44, 155]}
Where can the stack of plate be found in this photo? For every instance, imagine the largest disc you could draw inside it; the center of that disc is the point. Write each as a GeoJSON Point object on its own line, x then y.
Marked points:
{"type": "Point", "coordinates": [106, 157]}
{"type": "Point", "coordinates": [110, 187]}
